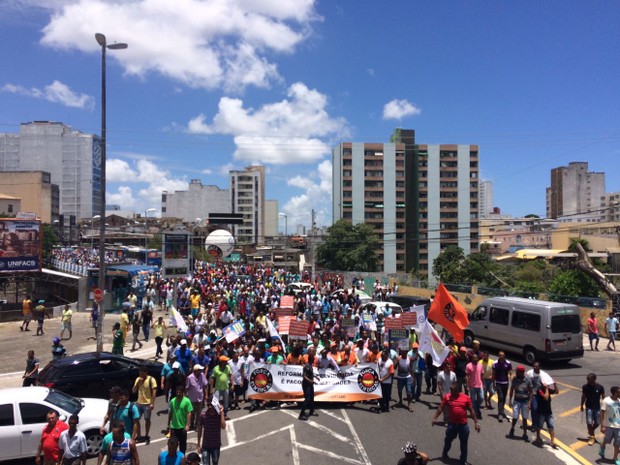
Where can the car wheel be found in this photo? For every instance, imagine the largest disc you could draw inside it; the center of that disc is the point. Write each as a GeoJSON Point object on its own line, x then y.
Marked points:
{"type": "Point", "coordinates": [94, 439]}
{"type": "Point", "coordinates": [529, 354]}
{"type": "Point", "coordinates": [468, 339]}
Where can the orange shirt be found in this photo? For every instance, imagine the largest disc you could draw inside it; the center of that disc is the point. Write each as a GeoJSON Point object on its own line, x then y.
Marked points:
{"type": "Point", "coordinates": [351, 360]}
{"type": "Point", "coordinates": [292, 360]}
{"type": "Point", "coordinates": [373, 358]}
{"type": "Point", "coordinates": [305, 358]}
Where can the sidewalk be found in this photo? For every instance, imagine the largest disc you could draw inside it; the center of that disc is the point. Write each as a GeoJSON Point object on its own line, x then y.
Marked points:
{"type": "Point", "coordinates": [15, 343]}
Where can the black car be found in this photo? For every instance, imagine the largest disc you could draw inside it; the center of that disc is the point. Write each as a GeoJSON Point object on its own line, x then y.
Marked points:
{"type": "Point", "coordinates": [92, 374]}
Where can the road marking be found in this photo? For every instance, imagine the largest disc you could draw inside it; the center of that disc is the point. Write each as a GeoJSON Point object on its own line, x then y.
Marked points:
{"type": "Point", "coordinates": [328, 413]}
{"type": "Point", "coordinates": [231, 433]}
{"type": "Point", "coordinates": [584, 442]}
{"type": "Point", "coordinates": [569, 386]}
{"type": "Point", "coordinates": [320, 427]}
{"type": "Point", "coordinates": [567, 413]}
{"type": "Point", "coordinates": [295, 448]}
{"type": "Point", "coordinates": [356, 438]}
{"type": "Point", "coordinates": [257, 438]}
{"type": "Point", "coordinates": [340, 458]}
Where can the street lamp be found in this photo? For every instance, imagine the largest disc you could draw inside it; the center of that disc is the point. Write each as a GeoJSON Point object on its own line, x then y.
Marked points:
{"type": "Point", "coordinates": [146, 250]}
{"type": "Point", "coordinates": [285, 223]}
{"type": "Point", "coordinates": [101, 40]}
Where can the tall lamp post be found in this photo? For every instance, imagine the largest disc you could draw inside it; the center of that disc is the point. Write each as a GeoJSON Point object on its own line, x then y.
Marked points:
{"type": "Point", "coordinates": [101, 40]}
{"type": "Point", "coordinates": [285, 223]}
{"type": "Point", "coordinates": [146, 220]}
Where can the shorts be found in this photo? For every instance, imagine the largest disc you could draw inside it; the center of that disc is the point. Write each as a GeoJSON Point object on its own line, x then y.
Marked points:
{"type": "Point", "coordinates": [28, 317]}
{"type": "Point", "coordinates": [548, 419]}
{"type": "Point", "coordinates": [238, 390]}
{"type": "Point", "coordinates": [593, 417]}
{"type": "Point", "coordinates": [612, 435]}
{"type": "Point", "coordinates": [407, 383]}
{"type": "Point", "coordinates": [65, 326]}
{"type": "Point", "coordinates": [612, 335]}
{"type": "Point", "coordinates": [593, 336]}
{"type": "Point", "coordinates": [144, 409]}
{"type": "Point", "coordinates": [520, 407]}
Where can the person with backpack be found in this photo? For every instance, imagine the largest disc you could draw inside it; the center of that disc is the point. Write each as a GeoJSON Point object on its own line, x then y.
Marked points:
{"type": "Point", "coordinates": [146, 387]}
{"type": "Point", "coordinates": [128, 413]}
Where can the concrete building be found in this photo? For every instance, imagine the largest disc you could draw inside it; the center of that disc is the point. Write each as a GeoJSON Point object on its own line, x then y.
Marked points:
{"type": "Point", "coordinates": [610, 207]}
{"type": "Point", "coordinates": [36, 191]}
{"type": "Point", "coordinates": [247, 197]}
{"type": "Point", "coordinates": [196, 202]}
{"type": "Point", "coordinates": [418, 198]}
{"type": "Point", "coordinates": [575, 191]}
{"type": "Point", "coordinates": [271, 218]}
{"type": "Point", "coordinates": [72, 158]}
{"type": "Point", "coordinates": [485, 199]}
{"type": "Point", "coordinates": [505, 234]}
{"type": "Point", "coordinates": [9, 205]}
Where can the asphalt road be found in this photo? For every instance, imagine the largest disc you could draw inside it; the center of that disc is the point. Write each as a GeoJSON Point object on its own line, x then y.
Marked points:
{"type": "Point", "coordinates": [351, 434]}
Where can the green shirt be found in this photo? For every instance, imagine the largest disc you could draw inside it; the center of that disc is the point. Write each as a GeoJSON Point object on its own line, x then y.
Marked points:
{"type": "Point", "coordinates": [179, 411]}
{"type": "Point", "coordinates": [221, 377]}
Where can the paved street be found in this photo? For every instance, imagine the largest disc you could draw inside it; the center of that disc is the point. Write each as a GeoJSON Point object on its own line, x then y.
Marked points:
{"type": "Point", "coordinates": [352, 434]}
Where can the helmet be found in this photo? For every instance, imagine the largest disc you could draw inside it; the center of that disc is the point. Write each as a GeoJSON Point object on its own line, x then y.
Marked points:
{"type": "Point", "coordinates": [56, 340]}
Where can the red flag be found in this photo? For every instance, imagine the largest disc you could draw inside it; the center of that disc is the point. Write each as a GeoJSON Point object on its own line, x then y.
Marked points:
{"type": "Point", "coordinates": [449, 313]}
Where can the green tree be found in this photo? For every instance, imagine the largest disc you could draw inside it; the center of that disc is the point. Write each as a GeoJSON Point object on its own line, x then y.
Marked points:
{"type": "Point", "coordinates": [48, 240]}
{"type": "Point", "coordinates": [573, 283]}
{"type": "Point", "coordinates": [349, 247]}
{"type": "Point", "coordinates": [448, 266]}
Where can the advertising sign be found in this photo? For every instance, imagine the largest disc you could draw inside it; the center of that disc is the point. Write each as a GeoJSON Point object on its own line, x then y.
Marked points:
{"type": "Point", "coordinates": [20, 245]}
{"type": "Point", "coordinates": [175, 258]}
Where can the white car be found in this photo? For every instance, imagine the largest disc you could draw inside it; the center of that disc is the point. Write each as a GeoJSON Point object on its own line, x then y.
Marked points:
{"type": "Point", "coordinates": [23, 413]}
{"type": "Point", "coordinates": [296, 288]}
{"type": "Point", "coordinates": [380, 307]}
{"type": "Point", "coordinates": [362, 295]}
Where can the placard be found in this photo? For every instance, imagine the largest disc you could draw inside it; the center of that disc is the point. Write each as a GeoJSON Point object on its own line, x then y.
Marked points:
{"type": "Point", "coordinates": [298, 329]}
{"type": "Point", "coordinates": [284, 324]}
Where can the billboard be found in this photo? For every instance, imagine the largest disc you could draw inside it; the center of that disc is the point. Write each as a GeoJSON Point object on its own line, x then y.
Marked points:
{"type": "Point", "coordinates": [175, 259]}
{"type": "Point", "coordinates": [20, 245]}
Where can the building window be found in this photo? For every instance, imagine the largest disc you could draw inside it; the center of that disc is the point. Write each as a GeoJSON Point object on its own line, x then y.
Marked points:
{"type": "Point", "coordinates": [10, 208]}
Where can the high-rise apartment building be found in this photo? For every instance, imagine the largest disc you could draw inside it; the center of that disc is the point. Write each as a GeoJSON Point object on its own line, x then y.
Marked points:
{"type": "Point", "coordinates": [485, 199]}
{"type": "Point", "coordinates": [575, 191]}
{"type": "Point", "coordinates": [196, 202]}
{"type": "Point", "coordinates": [418, 198]}
{"type": "Point", "coordinates": [247, 196]}
{"type": "Point", "coordinates": [72, 158]}
{"type": "Point", "coordinates": [610, 207]}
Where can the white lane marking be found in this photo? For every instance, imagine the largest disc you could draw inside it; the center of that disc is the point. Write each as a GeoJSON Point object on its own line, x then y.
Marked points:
{"type": "Point", "coordinates": [356, 439]}
{"type": "Point", "coordinates": [294, 446]}
{"type": "Point", "coordinates": [231, 434]}
{"type": "Point", "coordinates": [320, 427]}
{"type": "Point", "coordinates": [258, 438]}
{"type": "Point", "coordinates": [329, 454]}
{"type": "Point", "coordinates": [333, 415]}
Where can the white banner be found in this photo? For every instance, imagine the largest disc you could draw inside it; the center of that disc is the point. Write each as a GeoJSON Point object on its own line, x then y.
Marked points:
{"type": "Point", "coordinates": [283, 383]}
{"type": "Point", "coordinates": [431, 343]}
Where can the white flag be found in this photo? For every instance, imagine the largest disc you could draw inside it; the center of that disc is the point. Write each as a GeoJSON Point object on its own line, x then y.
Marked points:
{"type": "Point", "coordinates": [431, 343]}
{"type": "Point", "coordinates": [273, 332]}
{"type": "Point", "coordinates": [419, 309]}
{"type": "Point", "coordinates": [178, 319]}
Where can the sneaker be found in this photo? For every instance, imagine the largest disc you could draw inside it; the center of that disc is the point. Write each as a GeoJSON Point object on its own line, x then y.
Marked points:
{"type": "Point", "coordinates": [147, 439]}
{"type": "Point", "coordinates": [601, 452]}
{"type": "Point", "coordinates": [591, 441]}
{"type": "Point", "coordinates": [302, 417]}
{"type": "Point", "coordinates": [511, 434]}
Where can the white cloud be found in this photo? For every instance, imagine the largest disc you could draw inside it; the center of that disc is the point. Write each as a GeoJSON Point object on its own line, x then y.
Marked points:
{"type": "Point", "coordinates": [288, 131]}
{"type": "Point", "coordinates": [224, 170]}
{"type": "Point", "coordinates": [56, 92]}
{"type": "Point", "coordinates": [207, 171]}
{"type": "Point", "coordinates": [318, 194]}
{"type": "Point", "coordinates": [398, 109]}
{"type": "Point", "coordinates": [118, 170]}
{"type": "Point", "coordinates": [200, 43]}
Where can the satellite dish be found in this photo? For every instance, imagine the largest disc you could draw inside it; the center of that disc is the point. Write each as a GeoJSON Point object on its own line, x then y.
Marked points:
{"type": "Point", "coordinates": [220, 243]}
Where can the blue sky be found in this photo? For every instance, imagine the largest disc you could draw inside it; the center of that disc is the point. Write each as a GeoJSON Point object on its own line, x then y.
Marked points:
{"type": "Point", "coordinates": [206, 86]}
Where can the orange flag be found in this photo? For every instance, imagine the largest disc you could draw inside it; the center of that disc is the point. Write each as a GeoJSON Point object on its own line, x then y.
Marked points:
{"type": "Point", "coordinates": [449, 313]}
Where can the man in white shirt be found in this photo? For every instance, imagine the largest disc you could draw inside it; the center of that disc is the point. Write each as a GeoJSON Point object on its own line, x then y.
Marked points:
{"type": "Point", "coordinates": [361, 352]}
{"type": "Point", "coordinates": [610, 422]}
{"type": "Point", "coordinates": [72, 444]}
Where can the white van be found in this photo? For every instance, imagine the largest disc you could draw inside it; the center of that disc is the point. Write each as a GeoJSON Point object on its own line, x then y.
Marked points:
{"type": "Point", "coordinates": [536, 329]}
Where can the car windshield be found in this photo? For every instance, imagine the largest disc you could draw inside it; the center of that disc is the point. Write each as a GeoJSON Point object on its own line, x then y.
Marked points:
{"type": "Point", "coordinates": [64, 401]}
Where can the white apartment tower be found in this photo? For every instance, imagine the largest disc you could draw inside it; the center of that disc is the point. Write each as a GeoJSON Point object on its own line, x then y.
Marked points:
{"type": "Point", "coordinates": [247, 195]}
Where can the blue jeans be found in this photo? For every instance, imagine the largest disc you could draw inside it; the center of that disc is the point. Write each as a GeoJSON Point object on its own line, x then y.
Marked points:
{"type": "Point", "coordinates": [477, 397]}
{"type": "Point", "coordinates": [210, 456]}
{"type": "Point", "coordinates": [454, 430]}
{"type": "Point", "coordinates": [224, 400]}
{"type": "Point", "coordinates": [417, 385]}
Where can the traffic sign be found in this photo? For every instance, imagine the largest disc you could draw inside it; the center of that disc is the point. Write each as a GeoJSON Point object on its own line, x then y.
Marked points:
{"type": "Point", "coordinates": [98, 295]}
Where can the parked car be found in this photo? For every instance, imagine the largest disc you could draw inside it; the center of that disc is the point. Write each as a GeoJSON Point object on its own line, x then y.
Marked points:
{"type": "Point", "coordinates": [380, 307]}
{"type": "Point", "coordinates": [592, 302]}
{"type": "Point", "coordinates": [536, 329]}
{"type": "Point", "coordinates": [362, 295]}
{"type": "Point", "coordinates": [94, 374]}
{"type": "Point", "coordinates": [296, 288]}
{"type": "Point", "coordinates": [23, 413]}
{"type": "Point", "coordinates": [407, 301]}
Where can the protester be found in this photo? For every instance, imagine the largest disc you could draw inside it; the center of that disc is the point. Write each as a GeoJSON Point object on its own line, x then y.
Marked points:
{"type": "Point", "coordinates": [122, 451]}
{"type": "Point", "coordinates": [171, 455]}
{"type": "Point", "coordinates": [610, 422]}
{"type": "Point", "coordinates": [458, 404]}
{"type": "Point", "coordinates": [32, 369]}
{"type": "Point", "coordinates": [386, 374]}
{"type": "Point", "coordinates": [50, 440]}
{"type": "Point", "coordinates": [307, 385]}
{"type": "Point", "coordinates": [413, 456]}
{"type": "Point", "coordinates": [545, 416]}
{"type": "Point", "coordinates": [593, 334]}
{"type": "Point", "coordinates": [179, 417]}
{"type": "Point", "coordinates": [502, 373]}
{"type": "Point", "coordinates": [128, 413]}
{"type": "Point", "coordinates": [58, 350]}
{"type": "Point", "coordinates": [72, 444]}
{"type": "Point", "coordinates": [210, 427]}
{"type": "Point", "coordinates": [520, 399]}
{"type": "Point", "coordinates": [197, 388]}
{"type": "Point", "coordinates": [65, 321]}
{"type": "Point", "coordinates": [221, 382]}
{"type": "Point", "coordinates": [146, 387]}
{"type": "Point", "coordinates": [591, 395]}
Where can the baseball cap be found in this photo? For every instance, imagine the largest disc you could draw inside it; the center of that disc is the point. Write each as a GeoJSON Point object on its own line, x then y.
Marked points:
{"type": "Point", "coordinates": [183, 342]}
{"type": "Point", "coordinates": [415, 345]}
{"type": "Point", "coordinates": [198, 367]}
{"type": "Point", "coordinates": [463, 349]}
{"type": "Point", "coordinates": [223, 358]}
{"type": "Point", "coordinates": [520, 368]}
{"type": "Point", "coordinates": [176, 365]}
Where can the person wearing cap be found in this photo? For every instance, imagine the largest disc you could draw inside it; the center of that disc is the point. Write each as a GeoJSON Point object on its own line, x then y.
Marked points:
{"type": "Point", "coordinates": [275, 358]}
{"type": "Point", "coordinates": [475, 350]}
{"type": "Point", "coordinates": [413, 456]}
{"type": "Point", "coordinates": [386, 374]}
{"type": "Point", "coordinates": [146, 387]}
{"type": "Point", "coordinates": [115, 392]}
{"type": "Point", "coordinates": [210, 426]}
{"type": "Point", "coordinates": [197, 388]}
{"type": "Point", "coordinates": [418, 367]}
{"type": "Point", "coordinates": [58, 350]}
{"type": "Point", "coordinates": [184, 356]}
{"type": "Point", "coordinates": [520, 399]}
{"type": "Point", "coordinates": [221, 381]}
{"type": "Point", "coordinates": [458, 404]}
{"type": "Point", "coordinates": [174, 380]}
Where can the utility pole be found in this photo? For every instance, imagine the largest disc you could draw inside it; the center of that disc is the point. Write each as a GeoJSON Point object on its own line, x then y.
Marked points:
{"type": "Point", "coordinates": [312, 244]}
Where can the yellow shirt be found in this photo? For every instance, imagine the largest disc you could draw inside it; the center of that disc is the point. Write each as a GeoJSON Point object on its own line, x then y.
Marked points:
{"type": "Point", "coordinates": [145, 391]}
{"type": "Point", "coordinates": [195, 300]}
